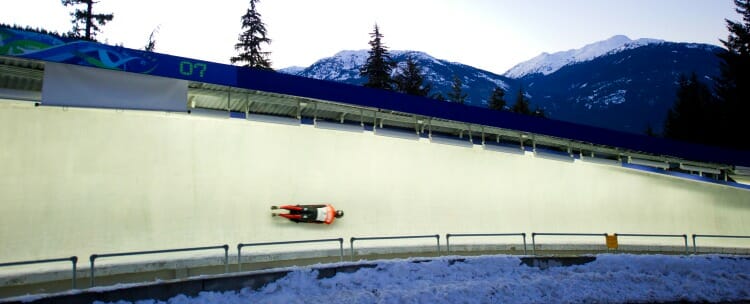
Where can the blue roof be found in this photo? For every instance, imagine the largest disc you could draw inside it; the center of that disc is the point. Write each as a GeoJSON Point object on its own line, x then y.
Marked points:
{"type": "Point", "coordinates": [381, 99]}
{"type": "Point", "coordinates": [24, 44]}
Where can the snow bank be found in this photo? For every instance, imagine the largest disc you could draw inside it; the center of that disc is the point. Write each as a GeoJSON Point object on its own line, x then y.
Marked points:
{"type": "Point", "coordinates": [611, 278]}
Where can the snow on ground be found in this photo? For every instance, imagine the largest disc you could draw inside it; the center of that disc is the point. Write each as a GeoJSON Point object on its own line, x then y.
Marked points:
{"type": "Point", "coordinates": [611, 278]}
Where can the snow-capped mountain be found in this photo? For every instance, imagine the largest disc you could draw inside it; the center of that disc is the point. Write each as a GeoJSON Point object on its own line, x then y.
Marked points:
{"type": "Point", "coordinates": [621, 84]}
{"type": "Point", "coordinates": [342, 67]}
{"type": "Point", "coordinates": [549, 63]}
{"type": "Point", "coordinates": [628, 90]}
{"type": "Point", "coordinates": [345, 65]}
{"type": "Point", "coordinates": [292, 70]}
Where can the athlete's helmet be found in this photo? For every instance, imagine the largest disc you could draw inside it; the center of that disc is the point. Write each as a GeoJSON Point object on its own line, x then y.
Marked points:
{"type": "Point", "coordinates": [339, 213]}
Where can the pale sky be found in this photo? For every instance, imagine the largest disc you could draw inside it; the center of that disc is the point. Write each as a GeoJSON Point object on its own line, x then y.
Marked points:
{"type": "Point", "coordinates": [489, 34]}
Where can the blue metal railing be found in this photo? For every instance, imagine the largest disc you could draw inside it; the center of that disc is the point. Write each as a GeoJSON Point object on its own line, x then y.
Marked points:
{"type": "Point", "coordinates": [684, 236]}
{"type": "Point", "coordinates": [449, 235]}
{"type": "Point", "coordinates": [695, 248]}
{"type": "Point", "coordinates": [93, 257]}
{"type": "Point", "coordinates": [351, 241]}
{"type": "Point", "coordinates": [240, 245]}
{"type": "Point", "coordinates": [73, 259]}
{"type": "Point", "coordinates": [534, 234]}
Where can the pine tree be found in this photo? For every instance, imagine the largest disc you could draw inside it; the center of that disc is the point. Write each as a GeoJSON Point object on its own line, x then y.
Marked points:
{"type": "Point", "coordinates": [690, 116]}
{"type": "Point", "coordinates": [36, 30]}
{"type": "Point", "coordinates": [438, 96]}
{"type": "Point", "coordinates": [650, 131]}
{"type": "Point", "coordinates": [410, 80]}
{"type": "Point", "coordinates": [151, 45]}
{"type": "Point", "coordinates": [497, 99]}
{"type": "Point", "coordinates": [522, 103]}
{"type": "Point", "coordinates": [85, 20]}
{"type": "Point", "coordinates": [379, 64]}
{"type": "Point", "coordinates": [251, 39]}
{"type": "Point", "coordinates": [457, 94]}
{"type": "Point", "coordinates": [539, 112]}
{"type": "Point", "coordinates": [733, 87]}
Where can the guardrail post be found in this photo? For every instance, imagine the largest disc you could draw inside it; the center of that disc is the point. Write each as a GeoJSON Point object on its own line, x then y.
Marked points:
{"type": "Point", "coordinates": [533, 243]}
{"type": "Point", "coordinates": [92, 258]}
{"type": "Point", "coordinates": [437, 237]}
{"type": "Point", "coordinates": [239, 257]}
{"type": "Point", "coordinates": [695, 249]}
{"type": "Point", "coordinates": [226, 258]}
{"type": "Point", "coordinates": [524, 243]}
{"type": "Point", "coordinates": [74, 260]}
{"type": "Point", "coordinates": [341, 248]}
{"type": "Point", "coordinates": [447, 242]}
{"type": "Point", "coordinates": [686, 244]}
{"type": "Point", "coordinates": [351, 246]}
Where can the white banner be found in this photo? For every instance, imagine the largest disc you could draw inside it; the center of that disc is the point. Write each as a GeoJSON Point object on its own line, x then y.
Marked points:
{"type": "Point", "coordinates": [69, 85]}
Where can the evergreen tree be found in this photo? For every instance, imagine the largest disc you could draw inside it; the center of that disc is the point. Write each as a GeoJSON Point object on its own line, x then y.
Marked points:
{"type": "Point", "coordinates": [539, 112]}
{"type": "Point", "coordinates": [497, 99]}
{"type": "Point", "coordinates": [438, 96]}
{"type": "Point", "coordinates": [733, 87]}
{"type": "Point", "coordinates": [689, 119]}
{"type": "Point", "coordinates": [151, 45]}
{"type": "Point", "coordinates": [457, 94]}
{"type": "Point", "coordinates": [36, 30]}
{"type": "Point", "coordinates": [251, 39]}
{"type": "Point", "coordinates": [85, 20]}
{"type": "Point", "coordinates": [522, 103]}
{"type": "Point", "coordinates": [410, 80]}
{"type": "Point", "coordinates": [650, 131]}
{"type": "Point", "coordinates": [379, 64]}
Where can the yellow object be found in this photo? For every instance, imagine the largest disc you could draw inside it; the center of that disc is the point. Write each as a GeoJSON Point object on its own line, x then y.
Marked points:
{"type": "Point", "coordinates": [611, 241]}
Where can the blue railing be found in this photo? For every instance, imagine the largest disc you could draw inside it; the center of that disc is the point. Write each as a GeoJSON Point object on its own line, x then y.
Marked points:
{"type": "Point", "coordinates": [73, 260]}
{"type": "Point", "coordinates": [240, 245]}
{"type": "Point", "coordinates": [684, 236]}
{"type": "Point", "coordinates": [351, 241]}
{"type": "Point", "coordinates": [534, 234]}
{"type": "Point", "coordinates": [449, 235]}
{"type": "Point", "coordinates": [695, 248]}
{"type": "Point", "coordinates": [93, 257]}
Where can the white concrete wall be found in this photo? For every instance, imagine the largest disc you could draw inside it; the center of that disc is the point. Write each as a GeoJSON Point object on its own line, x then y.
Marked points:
{"type": "Point", "coordinates": [82, 181]}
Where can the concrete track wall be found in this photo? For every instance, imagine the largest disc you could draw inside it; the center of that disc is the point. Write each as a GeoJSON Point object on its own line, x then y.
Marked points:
{"type": "Point", "coordinates": [83, 181]}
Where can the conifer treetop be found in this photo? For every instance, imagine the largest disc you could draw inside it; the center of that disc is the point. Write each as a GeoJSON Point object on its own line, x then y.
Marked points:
{"type": "Point", "coordinates": [84, 20]}
{"type": "Point", "coordinates": [378, 66]}
{"type": "Point", "coordinates": [250, 41]}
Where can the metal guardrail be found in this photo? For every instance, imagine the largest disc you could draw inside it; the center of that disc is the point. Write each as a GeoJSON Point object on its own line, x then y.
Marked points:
{"type": "Point", "coordinates": [695, 247]}
{"type": "Point", "coordinates": [240, 245]}
{"type": "Point", "coordinates": [449, 235]}
{"type": "Point", "coordinates": [93, 257]}
{"type": "Point", "coordinates": [684, 236]}
{"type": "Point", "coordinates": [351, 241]}
{"type": "Point", "coordinates": [534, 234]}
{"type": "Point", "coordinates": [73, 259]}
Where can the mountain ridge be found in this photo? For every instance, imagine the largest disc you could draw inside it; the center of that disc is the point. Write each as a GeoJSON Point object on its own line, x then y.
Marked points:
{"type": "Point", "coordinates": [620, 84]}
{"type": "Point", "coordinates": [477, 83]}
{"type": "Point", "coordinates": [547, 63]}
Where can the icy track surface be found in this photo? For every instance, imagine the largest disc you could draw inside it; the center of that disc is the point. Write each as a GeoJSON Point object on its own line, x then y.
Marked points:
{"type": "Point", "coordinates": [611, 278]}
